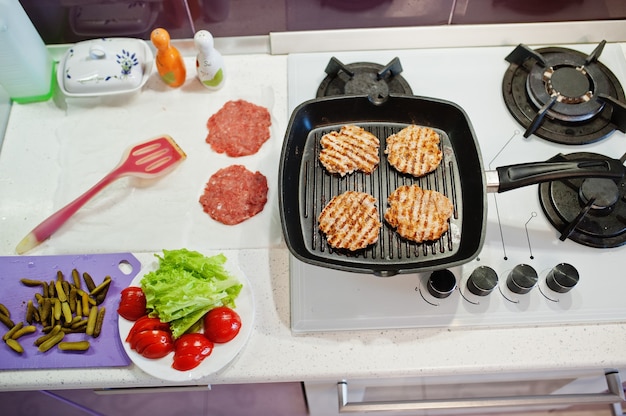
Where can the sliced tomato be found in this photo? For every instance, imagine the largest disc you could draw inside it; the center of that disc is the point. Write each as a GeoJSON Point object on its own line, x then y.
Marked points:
{"type": "Point", "coordinates": [157, 339]}
{"type": "Point", "coordinates": [132, 303]}
{"type": "Point", "coordinates": [143, 324]}
{"type": "Point", "coordinates": [194, 343]}
{"type": "Point", "coordinates": [155, 351]}
{"type": "Point", "coordinates": [186, 362]}
{"type": "Point", "coordinates": [189, 351]}
{"type": "Point", "coordinates": [221, 324]}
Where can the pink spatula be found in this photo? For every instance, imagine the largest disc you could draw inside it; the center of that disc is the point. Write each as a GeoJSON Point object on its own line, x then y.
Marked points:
{"type": "Point", "coordinates": [149, 159]}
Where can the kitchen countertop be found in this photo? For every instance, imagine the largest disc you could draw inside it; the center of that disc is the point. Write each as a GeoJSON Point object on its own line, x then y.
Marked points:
{"type": "Point", "coordinates": [273, 353]}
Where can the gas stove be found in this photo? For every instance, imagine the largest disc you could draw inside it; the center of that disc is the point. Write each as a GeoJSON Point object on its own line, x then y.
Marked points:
{"type": "Point", "coordinates": [538, 265]}
{"type": "Point", "coordinates": [564, 95]}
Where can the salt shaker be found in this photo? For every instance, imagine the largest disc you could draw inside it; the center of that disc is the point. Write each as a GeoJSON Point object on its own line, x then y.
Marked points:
{"type": "Point", "coordinates": [209, 62]}
{"type": "Point", "coordinates": [169, 62]}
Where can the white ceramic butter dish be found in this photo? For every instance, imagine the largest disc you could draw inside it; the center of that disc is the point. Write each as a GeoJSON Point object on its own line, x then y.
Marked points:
{"type": "Point", "coordinates": [105, 66]}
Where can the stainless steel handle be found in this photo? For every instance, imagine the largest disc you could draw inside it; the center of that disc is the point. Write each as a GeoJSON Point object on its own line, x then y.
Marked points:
{"type": "Point", "coordinates": [614, 395]}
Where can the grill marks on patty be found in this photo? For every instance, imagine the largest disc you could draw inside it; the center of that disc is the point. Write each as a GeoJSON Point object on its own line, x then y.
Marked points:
{"type": "Point", "coordinates": [418, 214]}
{"type": "Point", "coordinates": [414, 150]}
{"type": "Point", "coordinates": [350, 149]}
{"type": "Point", "coordinates": [350, 221]}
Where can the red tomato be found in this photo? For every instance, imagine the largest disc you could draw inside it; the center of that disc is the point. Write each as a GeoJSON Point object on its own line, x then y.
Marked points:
{"type": "Point", "coordinates": [132, 303]}
{"type": "Point", "coordinates": [221, 324]}
{"type": "Point", "coordinates": [159, 341]}
{"type": "Point", "coordinates": [145, 323]}
{"type": "Point", "coordinates": [150, 337]}
{"type": "Point", "coordinates": [190, 350]}
{"type": "Point", "coordinates": [186, 362]}
{"type": "Point", "coordinates": [154, 351]}
{"type": "Point", "coordinates": [193, 343]}
{"type": "Point", "coordinates": [154, 336]}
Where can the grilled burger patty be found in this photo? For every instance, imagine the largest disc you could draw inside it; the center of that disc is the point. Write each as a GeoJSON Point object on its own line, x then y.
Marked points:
{"type": "Point", "coordinates": [418, 214]}
{"type": "Point", "coordinates": [350, 149]}
{"type": "Point", "coordinates": [350, 221]}
{"type": "Point", "coordinates": [414, 150]}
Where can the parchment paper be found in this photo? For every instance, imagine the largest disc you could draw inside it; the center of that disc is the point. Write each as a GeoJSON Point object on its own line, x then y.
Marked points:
{"type": "Point", "coordinates": [149, 215]}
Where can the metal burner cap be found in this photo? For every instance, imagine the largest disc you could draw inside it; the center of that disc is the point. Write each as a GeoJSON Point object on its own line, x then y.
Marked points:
{"type": "Point", "coordinates": [570, 84]}
{"type": "Point", "coordinates": [574, 84]}
{"type": "Point", "coordinates": [604, 192]}
{"type": "Point", "coordinates": [366, 83]}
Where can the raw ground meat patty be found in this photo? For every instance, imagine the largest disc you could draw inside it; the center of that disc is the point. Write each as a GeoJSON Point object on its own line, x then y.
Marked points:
{"type": "Point", "coordinates": [239, 128]}
{"type": "Point", "coordinates": [234, 194]}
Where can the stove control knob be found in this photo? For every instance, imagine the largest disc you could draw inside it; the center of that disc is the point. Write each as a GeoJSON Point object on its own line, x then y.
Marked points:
{"type": "Point", "coordinates": [562, 278]}
{"type": "Point", "coordinates": [482, 281]}
{"type": "Point", "coordinates": [522, 279]}
{"type": "Point", "coordinates": [441, 283]}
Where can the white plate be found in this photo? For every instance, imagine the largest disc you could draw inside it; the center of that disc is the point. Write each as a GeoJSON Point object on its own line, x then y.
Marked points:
{"type": "Point", "coordinates": [222, 354]}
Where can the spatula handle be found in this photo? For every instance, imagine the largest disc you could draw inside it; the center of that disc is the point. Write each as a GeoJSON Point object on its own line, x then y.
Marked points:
{"type": "Point", "coordinates": [56, 220]}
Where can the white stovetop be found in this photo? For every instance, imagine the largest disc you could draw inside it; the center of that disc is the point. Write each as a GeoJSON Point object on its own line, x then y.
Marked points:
{"type": "Point", "coordinates": [517, 231]}
{"type": "Point", "coordinates": [273, 353]}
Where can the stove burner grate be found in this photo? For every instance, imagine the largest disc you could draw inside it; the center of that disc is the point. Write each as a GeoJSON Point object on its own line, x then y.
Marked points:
{"type": "Point", "coordinates": [563, 95]}
{"type": "Point", "coordinates": [363, 78]}
{"type": "Point", "coordinates": [589, 211]}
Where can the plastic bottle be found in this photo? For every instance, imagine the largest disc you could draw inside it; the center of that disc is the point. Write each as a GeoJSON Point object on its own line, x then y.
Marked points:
{"type": "Point", "coordinates": [26, 66]}
{"type": "Point", "coordinates": [169, 62]}
{"type": "Point", "coordinates": [209, 62]}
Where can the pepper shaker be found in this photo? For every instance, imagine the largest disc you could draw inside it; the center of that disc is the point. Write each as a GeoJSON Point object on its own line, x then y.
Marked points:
{"type": "Point", "coordinates": [209, 62]}
{"type": "Point", "coordinates": [169, 62]}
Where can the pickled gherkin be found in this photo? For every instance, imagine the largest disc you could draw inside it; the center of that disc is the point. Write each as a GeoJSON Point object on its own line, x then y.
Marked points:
{"type": "Point", "coordinates": [73, 345]}
{"type": "Point", "coordinates": [59, 307]}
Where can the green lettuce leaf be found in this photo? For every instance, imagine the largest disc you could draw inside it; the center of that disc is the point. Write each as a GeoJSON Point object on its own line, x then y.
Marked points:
{"type": "Point", "coordinates": [187, 285]}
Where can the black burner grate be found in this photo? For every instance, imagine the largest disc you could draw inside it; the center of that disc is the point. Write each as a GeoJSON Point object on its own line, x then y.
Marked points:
{"type": "Point", "coordinates": [363, 78]}
{"type": "Point", "coordinates": [563, 95]}
{"type": "Point", "coordinates": [589, 211]}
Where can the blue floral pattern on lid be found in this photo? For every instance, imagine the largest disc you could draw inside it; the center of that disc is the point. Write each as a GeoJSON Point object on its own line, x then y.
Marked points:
{"type": "Point", "coordinates": [127, 61]}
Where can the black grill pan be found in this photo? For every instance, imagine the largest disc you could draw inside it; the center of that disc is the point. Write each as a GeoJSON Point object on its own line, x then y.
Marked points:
{"type": "Point", "coordinates": [306, 186]}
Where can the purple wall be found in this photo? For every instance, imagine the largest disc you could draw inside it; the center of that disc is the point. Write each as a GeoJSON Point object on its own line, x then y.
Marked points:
{"type": "Point", "coordinates": [67, 21]}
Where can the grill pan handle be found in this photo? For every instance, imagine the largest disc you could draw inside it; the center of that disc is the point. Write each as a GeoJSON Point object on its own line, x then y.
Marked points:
{"type": "Point", "coordinates": [505, 178]}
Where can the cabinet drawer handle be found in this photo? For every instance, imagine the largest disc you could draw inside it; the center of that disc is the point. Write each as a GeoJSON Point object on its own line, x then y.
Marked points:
{"type": "Point", "coordinates": [614, 395]}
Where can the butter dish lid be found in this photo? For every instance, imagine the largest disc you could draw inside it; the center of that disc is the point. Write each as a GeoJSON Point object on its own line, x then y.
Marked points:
{"type": "Point", "coordinates": [105, 66]}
